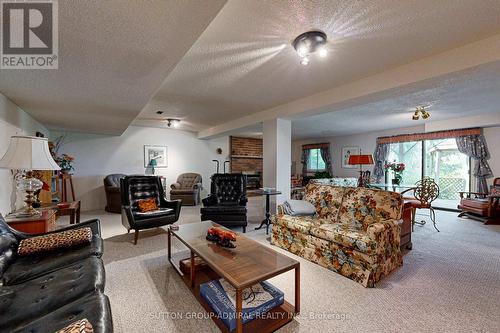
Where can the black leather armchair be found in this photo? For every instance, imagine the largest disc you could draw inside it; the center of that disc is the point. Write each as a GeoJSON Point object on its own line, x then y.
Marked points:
{"type": "Point", "coordinates": [135, 188]}
{"type": "Point", "coordinates": [113, 196]}
{"type": "Point", "coordinates": [227, 201]}
{"type": "Point", "coordinates": [46, 292]}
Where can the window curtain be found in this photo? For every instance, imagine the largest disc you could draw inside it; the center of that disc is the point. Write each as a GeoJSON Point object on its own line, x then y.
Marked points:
{"type": "Point", "coordinates": [475, 147]}
{"type": "Point", "coordinates": [381, 154]}
{"type": "Point", "coordinates": [304, 159]}
{"type": "Point", "coordinates": [325, 154]}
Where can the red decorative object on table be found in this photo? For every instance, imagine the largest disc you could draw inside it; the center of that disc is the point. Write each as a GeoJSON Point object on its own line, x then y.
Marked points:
{"type": "Point", "coordinates": [221, 236]}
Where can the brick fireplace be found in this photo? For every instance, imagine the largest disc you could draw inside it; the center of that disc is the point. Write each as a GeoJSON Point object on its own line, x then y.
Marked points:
{"type": "Point", "coordinates": [246, 157]}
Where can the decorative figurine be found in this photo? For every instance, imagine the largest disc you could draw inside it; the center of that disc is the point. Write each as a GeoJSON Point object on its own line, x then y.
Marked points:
{"type": "Point", "coordinates": [221, 236]}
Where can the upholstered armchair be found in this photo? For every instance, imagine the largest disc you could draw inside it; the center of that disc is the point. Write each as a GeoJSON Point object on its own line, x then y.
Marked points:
{"type": "Point", "coordinates": [113, 196]}
{"type": "Point", "coordinates": [187, 189]}
{"type": "Point", "coordinates": [227, 201]}
{"type": "Point", "coordinates": [484, 207]}
{"type": "Point", "coordinates": [137, 188]}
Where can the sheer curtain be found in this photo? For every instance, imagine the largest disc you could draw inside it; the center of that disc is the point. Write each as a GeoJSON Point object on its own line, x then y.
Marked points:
{"type": "Point", "coordinates": [475, 147]}
{"type": "Point", "coordinates": [381, 154]}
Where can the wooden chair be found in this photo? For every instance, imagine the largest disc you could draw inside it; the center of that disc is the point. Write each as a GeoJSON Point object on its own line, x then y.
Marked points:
{"type": "Point", "coordinates": [484, 207]}
{"type": "Point", "coordinates": [424, 193]}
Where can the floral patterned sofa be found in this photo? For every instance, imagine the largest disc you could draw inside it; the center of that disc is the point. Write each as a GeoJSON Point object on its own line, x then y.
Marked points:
{"type": "Point", "coordinates": [355, 232]}
{"type": "Point", "coordinates": [336, 181]}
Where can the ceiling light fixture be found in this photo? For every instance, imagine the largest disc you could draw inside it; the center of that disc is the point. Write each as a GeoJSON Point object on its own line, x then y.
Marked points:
{"type": "Point", "coordinates": [420, 111]}
{"type": "Point", "coordinates": [173, 122]}
{"type": "Point", "coordinates": [308, 43]}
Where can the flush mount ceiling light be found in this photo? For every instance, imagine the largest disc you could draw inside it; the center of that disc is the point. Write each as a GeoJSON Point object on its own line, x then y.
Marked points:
{"type": "Point", "coordinates": [308, 43]}
{"type": "Point", "coordinates": [173, 122]}
{"type": "Point", "coordinates": [420, 111]}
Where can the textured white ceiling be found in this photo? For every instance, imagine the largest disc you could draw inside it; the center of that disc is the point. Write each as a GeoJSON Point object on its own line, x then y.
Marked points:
{"type": "Point", "coordinates": [113, 56]}
{"type": "Point", "coordinates": [468, 93]}
{"type": "Point", "coordinates": [244, 63]}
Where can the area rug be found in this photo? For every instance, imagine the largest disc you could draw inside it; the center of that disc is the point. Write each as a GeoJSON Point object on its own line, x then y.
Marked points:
{"type": "Point", "coordinates": [449, 283]}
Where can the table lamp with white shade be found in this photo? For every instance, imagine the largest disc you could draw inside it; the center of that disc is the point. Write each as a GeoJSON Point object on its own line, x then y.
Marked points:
{"type": "Point", "coordinates": [28, 153]}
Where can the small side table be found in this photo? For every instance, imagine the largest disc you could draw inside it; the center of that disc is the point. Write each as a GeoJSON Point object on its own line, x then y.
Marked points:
{"type": "Point", "coordinates": [267, 220]}
{"type": "Point", "coordinates": [73, 210]}
{"type": "Point", "coordinates": [34, 224]}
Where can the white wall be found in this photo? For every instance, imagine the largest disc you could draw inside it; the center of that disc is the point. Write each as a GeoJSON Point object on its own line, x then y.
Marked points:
{"type": "Point", "coordinates": [13, 121]}
{"type": "Point", "coordinates": [97, 156]}
{"type": "Point", "coordinates": [367, 142]}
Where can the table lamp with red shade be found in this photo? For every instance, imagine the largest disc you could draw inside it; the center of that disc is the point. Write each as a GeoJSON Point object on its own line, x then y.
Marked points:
{"type": "Point", "coordinates": [361, 160]}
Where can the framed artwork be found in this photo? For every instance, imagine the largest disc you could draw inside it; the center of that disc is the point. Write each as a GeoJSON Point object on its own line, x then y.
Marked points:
{"type": "Point", "coordinates": [158, 153]}
{"type": "Point", "coordinates": [346, 152]}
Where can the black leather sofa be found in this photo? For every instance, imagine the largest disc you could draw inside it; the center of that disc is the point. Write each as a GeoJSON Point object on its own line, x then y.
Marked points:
{"type": "Point", "coordinates": [227, 201]}
{"type": "Point", "coordinates": [46, 292]}
{"type": "Point", "coordinates": [136, 188]}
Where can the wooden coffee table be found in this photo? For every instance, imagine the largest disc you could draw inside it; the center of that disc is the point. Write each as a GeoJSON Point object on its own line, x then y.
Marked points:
{"type": "Point", "coordinates": [244, 266]}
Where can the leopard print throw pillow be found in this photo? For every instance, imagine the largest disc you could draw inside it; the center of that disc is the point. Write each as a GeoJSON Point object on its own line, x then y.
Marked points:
{"type": "Point", "coordinates": [80, 326]}
{"type": "Point", "coordinates": [147, 205]}
{"type": "Point", "coordinates": [55, 241]}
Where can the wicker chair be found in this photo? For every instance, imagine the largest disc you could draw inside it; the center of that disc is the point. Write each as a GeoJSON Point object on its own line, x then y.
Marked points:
{"type": "Point", "coordinates": [424, 193]}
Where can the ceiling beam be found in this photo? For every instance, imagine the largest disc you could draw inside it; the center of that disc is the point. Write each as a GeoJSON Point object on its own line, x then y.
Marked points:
{"type": "Point", "coordinates": [374, 87]}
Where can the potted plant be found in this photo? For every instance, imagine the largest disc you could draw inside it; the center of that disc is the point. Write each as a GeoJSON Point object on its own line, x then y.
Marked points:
{"type": "Point", "coordinates": [397, 169]}
{"type": "Point", "coordinates": [65, 162]}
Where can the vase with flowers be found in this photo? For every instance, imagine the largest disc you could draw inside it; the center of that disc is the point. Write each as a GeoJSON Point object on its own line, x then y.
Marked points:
{"type": "Point", "coordinates": [397, 169]}
{"type": "Point", "coordinates": [65, 162]}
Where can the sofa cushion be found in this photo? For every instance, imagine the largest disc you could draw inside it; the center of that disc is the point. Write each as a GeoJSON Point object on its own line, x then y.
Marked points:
{"type": "Point", "coordinates": [29, 267]}
{"type": "Point", "coordinates": [79, 326]}
{"type": "Point", "coordinates": [153, 213]}
{"type": "Point", "coordinates": [302, 224]}
{"type": "Point", "coordinates": [49, 292]}
{"type": "Point", "coordinates": [363, 206]}
{"type": "Point", "coordinates": [182, 192]}
{"type": "Point", "coordinates": [95, 307]}
{"type": "Point", "coordinates": [327, 200]}
{"type": "Point", "coordinates": [54, 241]}
{"type": "Point", "coordinates": [345, 236]}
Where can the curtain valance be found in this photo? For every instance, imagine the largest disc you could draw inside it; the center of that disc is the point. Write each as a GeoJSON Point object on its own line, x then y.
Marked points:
{"type": "Point", "coordinates": [316, 145]}
{"type": "Point", "coordinates": [429, 136]}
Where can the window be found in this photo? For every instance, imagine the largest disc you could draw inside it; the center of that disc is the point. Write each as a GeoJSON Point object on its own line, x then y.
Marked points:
{"type": "Point", "coordinates": [315, 162]}
{"type": "Point", "coordinates": [438, 159]}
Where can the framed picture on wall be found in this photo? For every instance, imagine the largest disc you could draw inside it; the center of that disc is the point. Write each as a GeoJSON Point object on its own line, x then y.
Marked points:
{"type": "Point", "coordinates": [156, 153]}
{"type": "Point", "coordinates": [346, 152]}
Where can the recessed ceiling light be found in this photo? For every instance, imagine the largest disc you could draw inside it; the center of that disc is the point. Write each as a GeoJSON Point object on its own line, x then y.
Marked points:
{"type": "Point", "coordinates": [308, 43]}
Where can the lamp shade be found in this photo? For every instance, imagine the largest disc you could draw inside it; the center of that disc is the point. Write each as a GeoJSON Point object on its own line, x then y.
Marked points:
{"type": "Point", "coordinates": [360, 159]}
{"type": "Point", "coordinates": [28, 153]}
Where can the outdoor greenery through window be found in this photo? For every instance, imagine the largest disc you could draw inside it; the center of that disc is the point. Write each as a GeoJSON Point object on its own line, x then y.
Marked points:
{"type": "Point", "coordinates": [315, 162]}
{"type": "Point", "coordinates": [438, 159]}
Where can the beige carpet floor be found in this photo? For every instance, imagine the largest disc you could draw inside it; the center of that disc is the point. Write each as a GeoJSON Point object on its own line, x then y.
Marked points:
{"type": "Point", "coordinates": [450, 282]}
